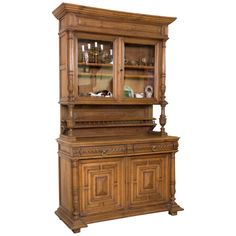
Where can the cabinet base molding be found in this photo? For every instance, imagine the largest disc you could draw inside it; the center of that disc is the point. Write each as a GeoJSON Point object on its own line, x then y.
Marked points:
{"type": "Point", "coordinates": [74, 224]}
{"type": "Point", "coordinates": [81, 222]}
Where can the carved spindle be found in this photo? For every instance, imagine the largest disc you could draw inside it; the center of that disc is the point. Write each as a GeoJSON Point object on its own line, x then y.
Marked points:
{"type": "Point", "coordinates": [173, 206]}
{"type": "Point", "coordinates": [172, 179]}
{"type": "Point", "coordinates": [163, 102]}
{"type": "Point", "coordinates": [75, 188]}
{"type": "Point", "coordinates": [70, 121]}
{"type": "Point", "coordinates": [71, 65]}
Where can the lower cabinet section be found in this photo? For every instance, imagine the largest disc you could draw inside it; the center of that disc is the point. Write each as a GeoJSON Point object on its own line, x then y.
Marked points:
{"type": "Point", "coordinates": [102, 185]}
{"type": "Point", "coordinates": [97, 189]}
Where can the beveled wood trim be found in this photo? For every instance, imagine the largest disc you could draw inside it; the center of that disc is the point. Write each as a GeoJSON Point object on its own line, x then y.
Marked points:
{"type": "Point", "coordinates": [142, 41]}
{"type": "Point", "coordinates": [110, 101]}
{"type": "Point", "coordinates": [126, 213]}
{"type": "Point", "coordinates": [153, 137]}
{"type": "Point", "coordinates": [93, 36]}
{"type": "Point", "coordinates": [94, 12]}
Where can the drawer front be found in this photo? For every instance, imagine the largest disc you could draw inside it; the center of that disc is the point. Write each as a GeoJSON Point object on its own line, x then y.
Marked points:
{"type": "Point", "coordinates": [155, 147]}
{"type": "Point", "coordinates": [102, 151]}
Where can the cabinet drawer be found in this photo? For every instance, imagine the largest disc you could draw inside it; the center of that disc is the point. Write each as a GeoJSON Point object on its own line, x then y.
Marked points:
{"type": "Point", "coordinates": [155, 147]}
{"type": "Point", "coordinates": [102, 150]}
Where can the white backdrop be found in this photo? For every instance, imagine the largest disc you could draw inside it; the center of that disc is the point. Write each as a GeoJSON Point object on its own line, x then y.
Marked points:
{"type": "Point", "coordinates": [201, 94]}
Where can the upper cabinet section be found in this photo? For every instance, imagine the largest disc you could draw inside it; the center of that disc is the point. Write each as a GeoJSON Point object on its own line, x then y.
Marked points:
{"type": "Point", "coordinates": [111, 57]}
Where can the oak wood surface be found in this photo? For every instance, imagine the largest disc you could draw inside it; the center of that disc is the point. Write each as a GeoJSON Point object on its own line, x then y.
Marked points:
{"type": "Point", "coordinates": [111, 162]}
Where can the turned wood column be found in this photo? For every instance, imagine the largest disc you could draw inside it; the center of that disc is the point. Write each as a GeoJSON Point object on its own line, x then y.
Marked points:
{"type": "Point", "coordinates": [70, 122]}
{"type": "Point", "coordinates": [163, 102]}
{"type": "Point", "coordinates": [71, 66]}
{"type": "Point", "coordinates": [172, 179]}
{"type": "Point", "coordinates": [173, 206]}
{"type": "Point", "coordinates": [75, 188]}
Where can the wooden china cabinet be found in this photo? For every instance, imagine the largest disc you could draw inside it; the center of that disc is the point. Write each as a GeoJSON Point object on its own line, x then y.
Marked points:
{"type": "Point", "coordinates": [112, 71]}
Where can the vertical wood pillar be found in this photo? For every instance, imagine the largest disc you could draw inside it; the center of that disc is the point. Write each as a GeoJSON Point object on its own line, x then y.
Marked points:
{"type": "Point", "coordinates": [172, 178]}
{"type": "Point", "coordinates": [70, 122]}
{"type": "Point", "coordinates": [75, 188]}
{"type": "Point", "coordinates": [173, 206]}
{"type": "Point", "coordinates": [163, 102]}
{"type": "Point", "coordinates": [71, 51]}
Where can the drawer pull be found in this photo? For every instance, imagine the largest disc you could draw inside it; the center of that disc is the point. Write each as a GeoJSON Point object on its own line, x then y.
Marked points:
{"type": "Point", "coordinates": [154, 148]}
{"type": "Point", "coordinates": [104, 152]}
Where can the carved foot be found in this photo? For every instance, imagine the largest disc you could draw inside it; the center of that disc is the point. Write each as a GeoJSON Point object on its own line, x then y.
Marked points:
{"type": "Point", "coordinates": [173, 213]}
{"type": "Point", "coordinates": [74, 224]}
{"type": "Point", "coordinates": [76, 230]}
{"type": "Point", "coordinates": [174, 208]}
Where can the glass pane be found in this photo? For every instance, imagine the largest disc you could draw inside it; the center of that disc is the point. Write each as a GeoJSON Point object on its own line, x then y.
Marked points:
{"type": "Point", "coordinates": [95, 68]}
{"type": "Point", "coordinates": [139, 71]}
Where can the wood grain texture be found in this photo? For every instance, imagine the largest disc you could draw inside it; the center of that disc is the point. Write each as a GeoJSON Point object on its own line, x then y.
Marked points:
{"type": "Point", "coordinates": [66, 8]}
{"type": "Point", "coordinates": [111, 162]}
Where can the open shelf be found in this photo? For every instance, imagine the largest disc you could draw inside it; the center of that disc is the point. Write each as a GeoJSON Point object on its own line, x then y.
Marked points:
{"type": "Point", "coordinates": [139, 67]}
{"type": "Point", "coordinates": [95, 64]}
{"type": "Point", "coordinates": [139, 76]}
{"type": "Point", "coordinates": [94, 75]}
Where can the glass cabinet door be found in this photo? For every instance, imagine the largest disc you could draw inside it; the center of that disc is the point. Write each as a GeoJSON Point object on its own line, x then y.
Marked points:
{"type": "Point", "coordinates": [95, 68]}
{"type": "Point", "coordinates": [139, 64]}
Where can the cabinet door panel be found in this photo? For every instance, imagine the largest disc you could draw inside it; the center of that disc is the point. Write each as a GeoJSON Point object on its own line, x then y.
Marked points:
{"type": "Point", "coordinates": [141, 69]}
{"type": "Point", "coordinates": [95, 68]}
{"type": "Point", "coordinates": [102, 184]}
{"type": "Point", "coordinates": [148, 180]}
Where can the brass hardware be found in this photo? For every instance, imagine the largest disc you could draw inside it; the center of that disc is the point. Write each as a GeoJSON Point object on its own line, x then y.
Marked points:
{"type": "Point", "coordinates": [154, 148]}
{"type": "Point", "coordinates": [104, 152]}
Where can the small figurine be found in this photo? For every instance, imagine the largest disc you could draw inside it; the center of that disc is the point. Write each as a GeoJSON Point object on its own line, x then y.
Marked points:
{"type": "Point", "coordinates": [139, 95]}
{"type": "Point", "coordinates": [102, 93]}
{"type": "Point", "coordinates": [148, 91]}
{"type": "Point", "coordinates": [143, 61]}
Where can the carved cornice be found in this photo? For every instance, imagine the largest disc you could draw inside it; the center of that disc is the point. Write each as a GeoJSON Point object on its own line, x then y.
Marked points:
{"type": "Point", "coordinates": [93, 12]}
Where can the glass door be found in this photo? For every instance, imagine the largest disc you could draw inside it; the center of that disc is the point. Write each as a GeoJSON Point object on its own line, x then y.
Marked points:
{"type": "Point", "coordinates": [139, 71]}
{"type": "Point", "coordinates": [95, 68]}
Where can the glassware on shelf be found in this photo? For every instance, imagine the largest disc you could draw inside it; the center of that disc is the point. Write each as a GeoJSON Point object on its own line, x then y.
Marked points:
{"type": "Point", "coordinates": [139, 70]}
{"type": "Point", "coordinates": [111, 56]}
{"type": "Point", "coordinates": [95, 52]}
{"type": "Point", "coordinates": [95, 70]}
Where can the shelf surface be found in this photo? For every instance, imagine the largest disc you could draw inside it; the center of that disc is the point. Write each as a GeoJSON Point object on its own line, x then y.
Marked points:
{"type": "Point", "coordinates": [94, 75]}
{"type": "Point", "coordinates": [139, 67]}
{"type": "Point", "coordinates": [95, 64]}
{"type": "Point", "coordinates": [139, 76]}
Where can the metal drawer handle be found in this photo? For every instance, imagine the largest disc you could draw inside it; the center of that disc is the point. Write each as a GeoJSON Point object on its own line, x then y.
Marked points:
{"type": "Point", "coordinates": [154, 148]}
{"type": "Point", "coordinates": [104, 152]}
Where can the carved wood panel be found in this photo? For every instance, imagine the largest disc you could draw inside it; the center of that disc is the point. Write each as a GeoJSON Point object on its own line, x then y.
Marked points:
{"type": "Point", "coordinates": [148, 180]}
{"type": "Point", "coordinates": [102, 185]}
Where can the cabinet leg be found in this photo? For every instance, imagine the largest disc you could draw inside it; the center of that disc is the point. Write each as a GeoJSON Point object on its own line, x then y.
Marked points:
{"type": "Point", "coordinates": [76, 230]}
{"type": "Point", "coordinates": [74, 224]}
{"type": "Point", "coordinates": [174, 208]}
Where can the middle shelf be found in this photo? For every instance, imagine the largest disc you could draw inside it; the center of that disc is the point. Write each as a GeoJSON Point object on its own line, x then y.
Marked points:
{"type": "Point", "coordinates": [101, 75]}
